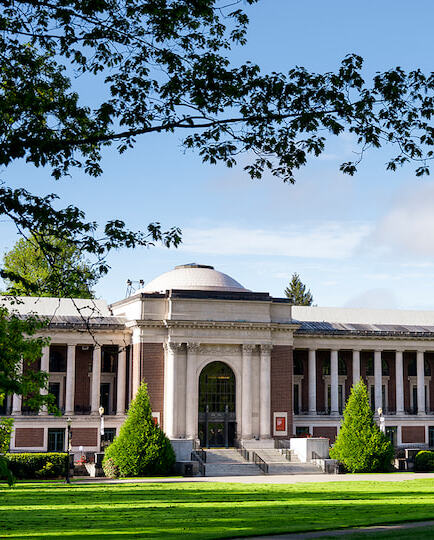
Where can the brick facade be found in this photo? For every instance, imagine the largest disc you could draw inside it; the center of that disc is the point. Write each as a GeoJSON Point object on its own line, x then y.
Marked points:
{"type": "Point", "coordinates": [325, 431]}
{"type": "Point", "coordinates": [281, 383]}
{"type": "Point", "coordinates": [152, 372]}
{"type": "Point", "coordinates": [413, 434]}
{"type": "Point", "coordinates": [84, 436]}
{"type": "Point", "coordinates": [29, 437]}
{"type": "Point", "coordinates": [83, 361]}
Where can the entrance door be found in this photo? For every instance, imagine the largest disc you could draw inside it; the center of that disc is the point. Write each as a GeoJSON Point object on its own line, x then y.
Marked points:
{"type": "Point", "coordinates": [217, 425]}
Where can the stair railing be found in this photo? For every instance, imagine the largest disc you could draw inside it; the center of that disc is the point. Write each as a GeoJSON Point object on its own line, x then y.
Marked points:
{"type": "Point", "coordinates": [260, 462]}
{"type": "Point", "coordinates": [244, 453]}
{"type": "Point", "coordinates": [196, 456]}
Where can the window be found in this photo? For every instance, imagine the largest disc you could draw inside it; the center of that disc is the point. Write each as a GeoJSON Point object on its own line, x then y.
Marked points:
{"type": "Point", "coordinates": [298, 366]}
{"type": "Point", "coordinates": [302, 430]}
{"type": "Point", "coordinates": [431, 436]}
{"type": "Point", "coordinates": [109, 360]}
{"type": "Point", "coordinates": [57, 359]}
{"type": "Point", "coordinates": [54, 388]}
{"type": "Point", "coordinates": [108, 437]}
{"type": "Point", "coordinates": [296, 398]}
{"type": "Point", "coordinates": [391, 433]}
{"type": "Point", "coordinates": [56, 440]}
{"type": "Point", "coordinates": [105, 397]}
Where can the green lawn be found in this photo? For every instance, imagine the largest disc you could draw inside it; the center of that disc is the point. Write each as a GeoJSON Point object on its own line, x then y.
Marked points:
{"type": "Point", "coordinates": [206, 510]}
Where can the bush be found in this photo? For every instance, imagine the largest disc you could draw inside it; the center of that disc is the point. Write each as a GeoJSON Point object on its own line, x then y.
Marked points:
{"type": "Point", "coordinates": [141, 449]}
{"type": "Point", "coordinates": [37, 465]}
{"type": "Point", "coordinates": [6, 428]}
{"type": "Point", "coordinates": [424, 461]}
{"type": "Point", "coordinates": [360, 445]}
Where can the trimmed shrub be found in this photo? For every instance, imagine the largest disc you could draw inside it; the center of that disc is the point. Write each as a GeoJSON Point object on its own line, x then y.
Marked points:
{"type": "Point", "coordinates": [424, 461]}
{"type": "Point", "coordinates": [37, 465]}
{"type": "Point", "coordinates": [141, 449]}
{"type": "Point", "coordinates": [360, 445]}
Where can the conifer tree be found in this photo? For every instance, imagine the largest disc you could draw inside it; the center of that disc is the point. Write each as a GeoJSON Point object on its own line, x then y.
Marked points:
{"type": "Point", "coordinates": [141, 449]}
{"type": "Point", "coordinates": [360, 445]}
{"type": "Point", "coordinates": [296, 292]}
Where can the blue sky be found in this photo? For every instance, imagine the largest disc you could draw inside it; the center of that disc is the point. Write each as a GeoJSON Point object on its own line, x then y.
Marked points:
{"type": "Point", "coordinates": [365, 241]}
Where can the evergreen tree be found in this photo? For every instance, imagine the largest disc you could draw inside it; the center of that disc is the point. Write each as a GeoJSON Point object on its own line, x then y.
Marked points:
{"type": "Point", "coordinates": [296, 292]}
{"type": "Point", "coordinates": [360, 445]}
{"type": "Point", "coordinates": [141, 449]}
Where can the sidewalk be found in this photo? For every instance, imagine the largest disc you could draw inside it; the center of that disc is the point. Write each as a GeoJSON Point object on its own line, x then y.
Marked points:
{"type": "Point", "coordinates": [348, 532]}
{"type": "Point", "coordinates": [268, 479]}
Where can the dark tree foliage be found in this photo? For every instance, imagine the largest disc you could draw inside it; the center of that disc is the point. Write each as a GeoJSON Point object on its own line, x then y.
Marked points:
{"type": "Point", "coordinates": [20, 352]}
{"type": "Point", "coordinates": [297, 293]}
{"type": "Point", "coordinates": [162, 66]}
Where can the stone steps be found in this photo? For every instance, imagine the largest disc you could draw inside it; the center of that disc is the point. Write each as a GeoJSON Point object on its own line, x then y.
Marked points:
{"type": "Point", "coordinates": [228, 462]}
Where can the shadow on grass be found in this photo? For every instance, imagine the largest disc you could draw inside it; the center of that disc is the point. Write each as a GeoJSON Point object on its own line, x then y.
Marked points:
{"type": "Point", "coordinates": [205, 511]}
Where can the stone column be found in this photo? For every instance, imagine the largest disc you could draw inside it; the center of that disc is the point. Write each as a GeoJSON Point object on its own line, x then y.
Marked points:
{"type": "Point", "coordinates": [246, 392]}
{"type": "Point", "coordinates": [420, 383]}
{"type": "Point", "coordinates": [378, 381]}
{"type": "Point", "coordinates": [191, 393]}
{"type": "Point", "coordinates": [399, 382]}
{"type": "Point", "coordinates": [356, 366]}
{"type": "Point", "coordinates": [16, 399]}
{"type": "Point", "coordinates": [334, 382]}
{"type": "Point", "coordinates": [265, 392]}
{"type": "Point", "coordinates": [312, 381]}
{"type": "Point", "coordinates": [96, 380]}
{"type": "Point", "coordinates": [45, 366]}
{"type": "Point", "coordinates": [121, 381]}
{"type": "Point", "coordinates": [70, 380]}
{"type": "Point", "coordinates": [170, 411]}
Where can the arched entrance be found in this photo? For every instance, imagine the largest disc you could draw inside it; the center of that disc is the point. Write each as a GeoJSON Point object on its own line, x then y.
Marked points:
{"type": "Point", "coordinates": [217, 405]}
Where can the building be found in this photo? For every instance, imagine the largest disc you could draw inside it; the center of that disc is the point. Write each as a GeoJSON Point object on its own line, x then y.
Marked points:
{"type": "Point", "coordinates": [224, 364]}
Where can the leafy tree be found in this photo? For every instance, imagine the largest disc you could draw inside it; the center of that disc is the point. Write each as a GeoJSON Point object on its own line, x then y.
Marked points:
{"type": "Point", "coordinates": [162, 66]}
{"type": "Point", "coordinates": [20, 352]}
{"type": "Point", "coordinates": [141, 449]}
{"type": "Point", "coordinates": [296, 292]}
{"type": "Point", "coordinates": [47, 266]}
{"type": "Point", "coordinates": [360, 445]}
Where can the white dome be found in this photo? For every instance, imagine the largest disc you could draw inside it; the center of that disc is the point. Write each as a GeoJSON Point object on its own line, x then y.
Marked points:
{"type": "Point", "coordinates": [193, 277]}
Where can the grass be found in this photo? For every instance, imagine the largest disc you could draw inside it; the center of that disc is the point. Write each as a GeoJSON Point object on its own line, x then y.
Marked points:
{"type": "Point", "coordinates": [207, 510]}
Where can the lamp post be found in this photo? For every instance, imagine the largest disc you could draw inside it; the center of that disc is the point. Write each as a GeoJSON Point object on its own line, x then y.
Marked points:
{"type": "Point", "coordinates": [68, 431]}
{"type": "Point", "coordinates": [381, 417]}
{"type": "Point", "coordinates": [101, 414]}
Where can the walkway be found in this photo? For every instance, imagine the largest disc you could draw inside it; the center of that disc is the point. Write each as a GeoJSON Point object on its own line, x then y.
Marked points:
{"type": "Point", "coordinates": [267, 479]}
{"type": "Point", "coordinates": [348, 532]}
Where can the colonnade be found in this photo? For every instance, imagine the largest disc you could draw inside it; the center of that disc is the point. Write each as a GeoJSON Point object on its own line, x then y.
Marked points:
{"type": "Point", "coordinates": [70, 381]}
{"type": "Point", "coordinates": [334, 380]}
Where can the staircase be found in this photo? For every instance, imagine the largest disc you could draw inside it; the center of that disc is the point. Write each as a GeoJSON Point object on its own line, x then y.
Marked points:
{"type": "Point", "coordinates": [228, 462]}
{"type": "Point", "coordinates": [278, 464]}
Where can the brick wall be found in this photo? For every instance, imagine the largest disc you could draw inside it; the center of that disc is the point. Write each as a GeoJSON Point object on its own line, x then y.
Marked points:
{"type": "Point", "coordinates": [84, 436]}
{"type": "Point", "coordinates": [83, 357]}
{"type": "Point", "coordinates": [152, 372]}
{"type": "Point", "coordinates": [325, 431]}
{"type": "Point", "coordinates": [29, 437]}
{"type": "Point", "coordinates": [281, 383]}
{"type": "Point", "coordinates": [389, 357]}
{"type": "Point", "coordinates": [413, 434]}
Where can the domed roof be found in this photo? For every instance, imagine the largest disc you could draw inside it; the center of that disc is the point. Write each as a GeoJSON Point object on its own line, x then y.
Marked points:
{"type": "Point", "coordinates": [195, 277]}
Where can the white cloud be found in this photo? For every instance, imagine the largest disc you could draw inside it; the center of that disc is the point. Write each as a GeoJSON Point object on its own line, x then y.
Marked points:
{"type": "Point", "coordinates": [408, 228]}
{"type": "Point", "coordinates": [328, 240]}
{"type": "Point", "coordinates": [374, 299]}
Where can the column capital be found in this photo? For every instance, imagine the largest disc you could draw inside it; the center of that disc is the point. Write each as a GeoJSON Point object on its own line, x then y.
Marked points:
{"type": "Point", "coordinates": [266, 348]}
{"type": "Point", "coordinates": [193, 346]}
{"type": "Point", "coordinates": [173, 346]}
{"type": "Point", "coordinates": [248, 347]}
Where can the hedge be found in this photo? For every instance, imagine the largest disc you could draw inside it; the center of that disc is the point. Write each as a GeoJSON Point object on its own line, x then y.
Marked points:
{"type": "Point", "coordinates": [424, 461]}
{"type": "Point", "coordinates": [37, 465]}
